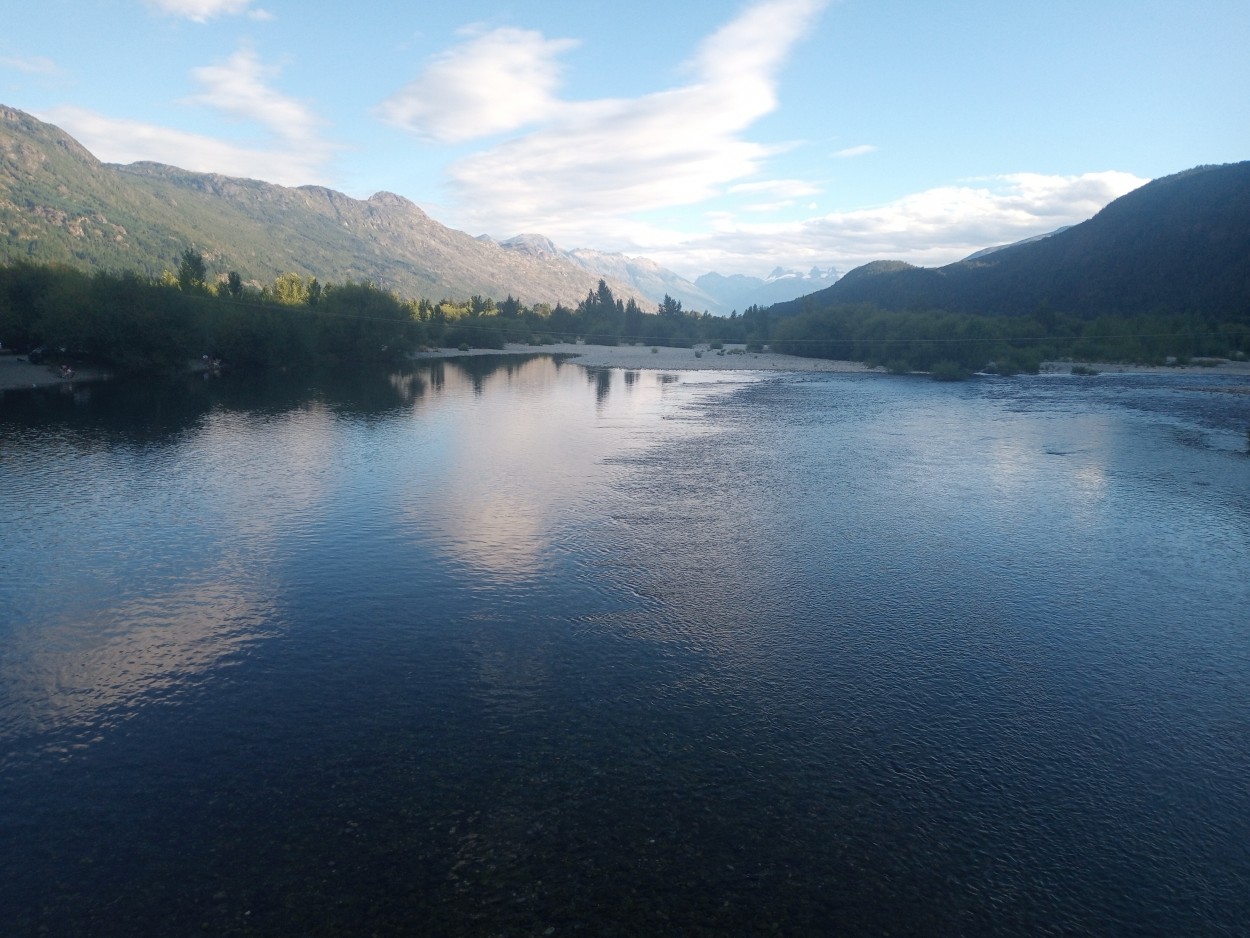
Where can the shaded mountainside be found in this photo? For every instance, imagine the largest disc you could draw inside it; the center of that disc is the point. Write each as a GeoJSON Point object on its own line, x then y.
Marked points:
{"type": "Point", "coordinates": [1177, 245]}
{"type": "Point", "coordinates": [59, 204]}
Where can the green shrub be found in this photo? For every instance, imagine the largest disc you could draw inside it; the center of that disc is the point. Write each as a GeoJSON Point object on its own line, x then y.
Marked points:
{"type": "Point", "coordinates": [948, 371]}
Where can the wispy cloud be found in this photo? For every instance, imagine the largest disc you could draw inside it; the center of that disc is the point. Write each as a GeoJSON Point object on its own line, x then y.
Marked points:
{"type": "Point", "coordinates": [609, 158]}
{"type": "Point", "coordinates": [201, 11]}
{"type": "Point", "coordinates": [784, 193]}
{"type": "Point", "coordinates": [786, 188]}
{"type": "Point", "coordinates": [31, 65]}
{"type": "Point", "coordinates": [115, 140]}
{"type": "Point", "coordinates": [768, 208]}
{"type": "Point", "coordinates": [928, 228]}
{"type": "Point", "coordinates": [862, 150]}
{"type": "Point", "coordinates": [495, 82]}
{"type": "Point", "coordinates": [240, 87]}
{"type": "Point", "coordinates": [295, 154]}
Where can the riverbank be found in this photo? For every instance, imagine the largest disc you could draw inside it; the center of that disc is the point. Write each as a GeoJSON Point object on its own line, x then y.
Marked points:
{"type": "Point", "coordinates": [16, 372]}
{"type": "Point", "coordinates": [1208, 366]}
{"type": "Point", "coordinates": [663, 358]}
{"type": "Point", "coordinates": [736, 358]}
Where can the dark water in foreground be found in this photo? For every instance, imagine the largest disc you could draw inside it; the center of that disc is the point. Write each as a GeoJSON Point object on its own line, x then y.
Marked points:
{"type": "Point", "coordinates": [534, 650]}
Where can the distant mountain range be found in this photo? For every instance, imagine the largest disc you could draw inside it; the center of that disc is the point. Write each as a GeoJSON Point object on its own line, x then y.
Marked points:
{"type": "Point", "coordinates": [1179, 244]}
{"type": "Point", "coordinates": [642, 275]}
{"type": "Point", "coordinates": [59, 204]}
{"type": "Point", "coordinates": [741, 292]}
{"type": "Point", "coordinates": [711, 292]}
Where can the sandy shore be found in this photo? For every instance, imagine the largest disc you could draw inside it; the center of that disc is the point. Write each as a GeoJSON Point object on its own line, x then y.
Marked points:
{"type": "Point", "coordinates": [1216, 366]}
{"type": "Point", "coordinates": [701, 358]}
{"type": "Point", "coordinates": [662, 358]}
{"type": "Point", "coordinates": [16, 372]}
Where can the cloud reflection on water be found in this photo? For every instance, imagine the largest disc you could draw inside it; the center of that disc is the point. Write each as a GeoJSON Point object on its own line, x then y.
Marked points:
{"type": "Point", "coordinates": [96, 670]}
{"type": "Point", "coordinates": [128, 618]}
{"type": "Point", "coordinates": [514, 464]}
{"type": "Point", "coordinates": [184, 543]}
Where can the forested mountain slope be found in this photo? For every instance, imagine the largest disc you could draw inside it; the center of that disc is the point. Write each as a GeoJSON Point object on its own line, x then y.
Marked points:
{"type": "Point", "coordinates": [59, 204]}
{"type": "Point", "coordinates": [1179, 244]}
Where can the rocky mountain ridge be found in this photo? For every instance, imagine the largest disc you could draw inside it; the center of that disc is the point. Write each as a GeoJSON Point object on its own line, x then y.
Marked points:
{"type": "Point", "coordinates": [59, 204]}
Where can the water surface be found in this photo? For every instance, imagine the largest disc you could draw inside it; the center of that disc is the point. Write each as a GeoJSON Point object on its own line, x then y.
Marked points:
{"type": "Point", "coordinates": [518, 647]}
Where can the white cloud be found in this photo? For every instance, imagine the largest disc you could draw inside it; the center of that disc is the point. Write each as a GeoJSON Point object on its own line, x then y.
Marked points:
{"type": "Point", "coordinates": [763, 208]}
{"type": "Point", "coordinates": [125, 141]}
{"type": "Point", "coordinates": [862, 150]}
{"type": "Point", "coordinates": [201, 11]}
{"type": "Point", "coordinates": [293, 152]}
{"type": "Point", "coordinates": [622, 174]}
{"type": "Point", "coordinates": [610, 158]}
{"type": "Point", "coordinates": [31, 65]}
{"type": "Point", "coordinates": [590, 171]}
{"type": "Point", "coordinates": [930, 228]}
{"type": "Point", "coordinates": [496, 82]}
{"type": "Point", "coordinates": [785, 188]}
{"type": "Point", "coordinates": [239, 87]}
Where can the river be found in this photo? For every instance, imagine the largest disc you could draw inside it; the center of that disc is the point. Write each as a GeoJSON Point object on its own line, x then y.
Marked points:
{"type": "Point", "coordinates": [512, 646]}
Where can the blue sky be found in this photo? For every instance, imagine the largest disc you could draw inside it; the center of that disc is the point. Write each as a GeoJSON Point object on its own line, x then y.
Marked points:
{"type": "Point", "coordinates": [707, 136]}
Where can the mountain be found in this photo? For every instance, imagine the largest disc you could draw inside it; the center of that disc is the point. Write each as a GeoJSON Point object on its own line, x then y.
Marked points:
{"type": "Point", "coordinates": [984, 252]}
{"type": "Point", "coordinates": [58, 203]}
{"type": "Point", "coordinates": [648, 278]}
{"type": "Point", "coordinates": [641, 274]}
{"type": "Point", "coordinates": [740, 291]}
{"type": "Point", "coordinates": [1179, 244]}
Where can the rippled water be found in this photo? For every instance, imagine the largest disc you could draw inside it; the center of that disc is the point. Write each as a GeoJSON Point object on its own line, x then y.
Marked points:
{"type": "Point", "coordinates": [516, 647]}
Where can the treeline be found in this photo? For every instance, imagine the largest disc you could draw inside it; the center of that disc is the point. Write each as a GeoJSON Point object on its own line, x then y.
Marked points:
{"type": "Point", "coordinates": [955, 344]}
{"type": "Point", "coordinates": [135, 323]}
{"type": "Point", "coordinates": [138, 323]}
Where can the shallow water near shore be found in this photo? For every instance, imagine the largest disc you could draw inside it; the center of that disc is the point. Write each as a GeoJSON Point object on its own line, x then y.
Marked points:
{"type": "Point", "coordinates": [510, 646]}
